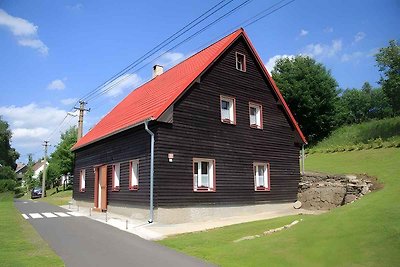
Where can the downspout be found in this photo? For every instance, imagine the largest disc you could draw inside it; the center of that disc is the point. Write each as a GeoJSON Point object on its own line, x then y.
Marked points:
{"type": "Point", "coordinates": [151, 170]}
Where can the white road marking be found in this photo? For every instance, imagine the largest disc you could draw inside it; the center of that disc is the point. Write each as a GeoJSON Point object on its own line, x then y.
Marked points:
{"type": "Point", "coordinates": [25, 216]}
{"type": "Point", "coordinates": [49, 214]}
{"type": "Point", "coordinates": [35, 215]}
{"type": "Point", "coordinates": [62, 214]}
{"type": "Point", "coordinates": [74, 213]}
{"type": "Point", "coordinates": [25, 202]}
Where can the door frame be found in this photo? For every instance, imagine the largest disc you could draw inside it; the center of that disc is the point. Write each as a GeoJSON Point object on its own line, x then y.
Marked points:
{"type": "Point", "coordinates": [102, 206]}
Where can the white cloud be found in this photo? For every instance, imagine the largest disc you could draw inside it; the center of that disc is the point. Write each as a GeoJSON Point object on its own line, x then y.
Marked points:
{"type": "Point", "coordinates": [303, 32]}
{"type": "Point", "coordinates": [323, 50]}
{"type": "Point", "coordinates": [56, 85]}
{"type": "Point", "coordinates": [352, 56]}
{"type": "Point", "coordinates": [25, 31]}
{"type": "Point", "coordinates": [126, 81]}
{"type": "Point", "coordinates": [35, 44]}
{"type": "Point", "coordinates": [358, 37]}
{"type": "Point", "coordinates": [170, 59]}
{"type": "Point", "coordinates": [68, 101]}
{"type": "Point", "coordinates": [272, 61]}
{"type": "Point", "coordinates": [328, 29]}
{"type": "Point", "coordinates": [32, 124]}
{"type": "Point", "coordinates": [76, 7]}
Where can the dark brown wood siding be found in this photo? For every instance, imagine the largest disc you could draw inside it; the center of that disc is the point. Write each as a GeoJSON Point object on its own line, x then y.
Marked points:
{"type": "Point", "coordinates": [120, 148]}
{"type": "Point", "coordinates": [197, 132]}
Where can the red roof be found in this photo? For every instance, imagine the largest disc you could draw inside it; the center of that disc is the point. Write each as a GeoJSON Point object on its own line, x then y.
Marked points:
{"type": "Point", "coordinates": [149, 101]}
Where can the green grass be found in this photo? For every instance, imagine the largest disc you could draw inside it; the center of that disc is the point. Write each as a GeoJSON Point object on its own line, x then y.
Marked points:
{"type": "Point", "coordinates": [377, 131]}
{"type": "Point", "coordinates": [20, 244]}
{"type": "Point", "coordinates": [59, 199]}
{"type": "Point", "coordinates": [364, 233]}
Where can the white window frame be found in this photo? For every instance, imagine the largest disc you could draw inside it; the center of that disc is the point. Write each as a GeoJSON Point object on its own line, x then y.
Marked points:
{"type": "Point", "coordinates": [134, 175]}
{"type": "Point", "coordinates": [231, 112]}
{"type": "Point", "coordinates": [197, 180]}
{"type": "Point", "coordinates": [265, 186]}
{"type": "Point", "coordinates": [116, 176]}
{"type": "Point", "coordinates": [258, 117]}
{"type": "Point", "coordinates": [241, 66]}
{"type": "Point", "coordinates": [82, 180]}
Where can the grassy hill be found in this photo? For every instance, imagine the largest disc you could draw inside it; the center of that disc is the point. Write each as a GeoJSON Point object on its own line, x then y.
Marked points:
{"type": "Point", "coordinates": [372, 134]}
{"type": "Point", "coordinates": [364, 233]}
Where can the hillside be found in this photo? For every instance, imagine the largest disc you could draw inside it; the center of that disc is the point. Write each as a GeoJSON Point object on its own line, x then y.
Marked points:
{"type": "Point", "coordinates": [367, 135]}
{"type": "Point", "coordinates": [363, 233]}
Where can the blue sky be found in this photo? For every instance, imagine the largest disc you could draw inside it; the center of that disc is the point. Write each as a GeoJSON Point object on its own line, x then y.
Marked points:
{"type": "Point", "coordinates": [54, 52]}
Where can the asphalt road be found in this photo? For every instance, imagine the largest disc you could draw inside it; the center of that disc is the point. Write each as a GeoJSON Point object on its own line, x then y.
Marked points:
{"type": "Point", "coordinates": [80, 241]}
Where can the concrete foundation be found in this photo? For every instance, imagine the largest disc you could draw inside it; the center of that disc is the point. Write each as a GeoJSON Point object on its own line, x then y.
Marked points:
{"type": "Point", "coordinates": [191, 214]}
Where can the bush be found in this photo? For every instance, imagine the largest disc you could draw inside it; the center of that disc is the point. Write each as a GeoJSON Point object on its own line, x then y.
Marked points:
{"type": "Point", "coordinates": [7, 185]}
{"type": "Point", "coordinates": [19, 191]}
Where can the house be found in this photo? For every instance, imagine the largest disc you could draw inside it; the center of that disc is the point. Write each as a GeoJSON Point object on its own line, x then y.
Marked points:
{"type": "Point", "coordinates": [20, 171]}
{"type": "Point", "coordinates": [37, 168]}
{"type": "Point", "coordinates": [210, 136]}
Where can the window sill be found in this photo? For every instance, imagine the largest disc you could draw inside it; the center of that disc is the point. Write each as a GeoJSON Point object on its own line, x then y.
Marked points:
{"type": "Point", "coordinates": [228, 121]}
{"type": "Point", "coordinates": [241, 70]}
{"type": "Point", "coordinates": [115, 189]}
{"type": "Point", "coordinates": [262, 188]}
{"type": "Point", "coordinates": [204, 189]}
{"type": "Point", "coordinates": [133, 188]}
{"type": "Point", "coordinates": [82, 190]}
{"type": "Point", "coordinates": [255, 126]}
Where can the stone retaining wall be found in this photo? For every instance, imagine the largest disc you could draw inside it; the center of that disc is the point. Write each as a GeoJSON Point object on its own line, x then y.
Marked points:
{"type": "Point", "coordinates": [324, 192]}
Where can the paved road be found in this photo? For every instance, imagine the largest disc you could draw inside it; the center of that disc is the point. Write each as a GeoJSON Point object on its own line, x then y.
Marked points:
{"type": "Point", "coordinates": [80, 241]}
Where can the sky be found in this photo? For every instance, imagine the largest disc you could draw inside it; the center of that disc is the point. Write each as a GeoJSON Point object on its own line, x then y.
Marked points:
{"type": "Point", "coordinates": [52, 53]}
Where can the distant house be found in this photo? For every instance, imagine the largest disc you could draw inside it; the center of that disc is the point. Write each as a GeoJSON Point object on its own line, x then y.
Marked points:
{"type": "Point", "coordinates": [21, 170]}
{"type": "Point", "coordinates": [37, 168]}
{"type": "Point", "coordinates": [224, 139]}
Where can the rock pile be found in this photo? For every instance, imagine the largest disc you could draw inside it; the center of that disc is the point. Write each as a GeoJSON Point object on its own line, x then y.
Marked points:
{"type": "Point", "coordinates": [324, 192]}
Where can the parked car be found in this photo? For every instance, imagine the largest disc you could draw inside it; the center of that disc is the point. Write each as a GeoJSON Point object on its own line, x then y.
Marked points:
{"type": "Point", "coordinates": [37, 192]}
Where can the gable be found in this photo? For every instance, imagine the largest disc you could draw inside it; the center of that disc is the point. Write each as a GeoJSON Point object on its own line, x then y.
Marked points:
{"type": "Point", "coordinates": [152, 99]}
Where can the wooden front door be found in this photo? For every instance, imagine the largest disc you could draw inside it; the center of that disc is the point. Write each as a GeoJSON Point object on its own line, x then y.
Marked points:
{"type": "Point", "coordinates": [100, 196]}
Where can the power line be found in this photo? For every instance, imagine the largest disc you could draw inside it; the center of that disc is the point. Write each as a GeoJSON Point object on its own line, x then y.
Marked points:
{"type": "Point", "coordinates": [161, 45]}
{"type": "Point", "coordinates": [170, 49]}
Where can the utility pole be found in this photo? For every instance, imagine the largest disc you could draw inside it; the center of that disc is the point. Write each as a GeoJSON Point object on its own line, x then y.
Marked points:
{"type": "Point", "coordinates": [46, 143]}
{"type": "Point", "coordinates": [80, 120]}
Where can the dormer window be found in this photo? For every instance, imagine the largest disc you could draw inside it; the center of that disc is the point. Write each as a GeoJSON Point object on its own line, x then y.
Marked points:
{"type": "Point", "coordinates": [255, 114]}
{"type": "Point", "coordinates": [240, 62]}
{"type": "Point", "coordinates": [228, 110]}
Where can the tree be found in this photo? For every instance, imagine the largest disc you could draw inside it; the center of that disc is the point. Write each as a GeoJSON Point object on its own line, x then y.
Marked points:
{"type": "Point", "coordinates": [357, 105]}
{"type": "Point", "coordinates": [311, 93]}
{"type": "Point", "coordinates": [8, 155]}
{"type": "Point", "coordinates": [62, 159]}
{"type": "Point", "coordinates": [28, 175]}
{"type": "Point", "coordinates": [388, 61]}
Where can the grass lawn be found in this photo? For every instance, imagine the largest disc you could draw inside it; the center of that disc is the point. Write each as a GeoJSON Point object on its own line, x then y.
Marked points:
{"type": "Point", "coordinates": [364, 233]}
{"type": "Point", "coordinates": [20, 244]}
{"type": "Point", "coordinates": [58, 199]}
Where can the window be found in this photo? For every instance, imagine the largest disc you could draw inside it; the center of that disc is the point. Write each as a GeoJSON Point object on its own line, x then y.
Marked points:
{"type": "Point", "coordinates": [82, 180]}
{"type": "Point", "coordinates": [228, 110]}
{"type": "Point", "coordinates": [255, 112]}
{"type": "Point", "coordinates": [240, 62]}
{"type": "Point", "coordinates": [204, 175]}
{"type": "Point", "coordinates": [134, 175]}
{"type": "Point", "coordinates": [116, 174]}
{"type": "Point", "coordinates": [261, 177]}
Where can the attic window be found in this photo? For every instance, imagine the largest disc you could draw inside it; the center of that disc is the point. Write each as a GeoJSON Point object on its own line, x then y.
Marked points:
{"type": "Point", "coordinates": [240, 62]}
{"type": "Point", "coordinates": [228, 110]}
{"type": "Point", "coordinates": [255, 114]}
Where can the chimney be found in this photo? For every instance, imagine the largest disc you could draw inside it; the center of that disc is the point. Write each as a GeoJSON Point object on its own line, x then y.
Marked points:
{"type": "Point", "coordinates": [157, 70]}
